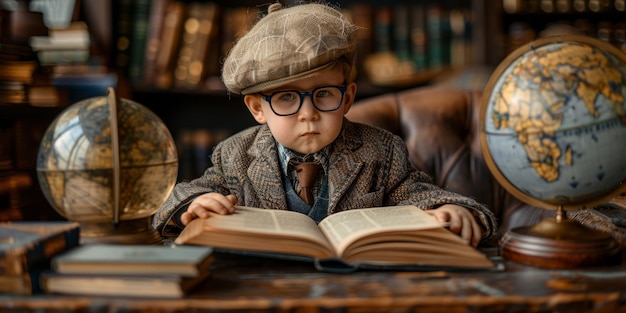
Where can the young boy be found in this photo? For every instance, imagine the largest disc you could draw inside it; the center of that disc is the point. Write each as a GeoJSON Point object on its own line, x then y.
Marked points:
{"type": "Point", "coordinates": [295, 68]}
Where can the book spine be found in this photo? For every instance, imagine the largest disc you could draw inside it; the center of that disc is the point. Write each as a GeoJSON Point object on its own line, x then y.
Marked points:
{"type": "Point", "coordinates": [530, 6]}
{"type": "Point", "coordinates": [579, 5]}
{"type": "Point", "coordinates": [139, 34]}
{"type": "Point", "coordinates": [418, 37]}
{"type": "Point", "coordinates": [460, 43]}
{"type": "Point", "coordinates": [196, 53]}
{"type": "Point", "coordinates": [25, 284]}
{"type": "Point", "coordinates": [382, 29]}
{"type": "Point", "coordinates": [211, 57]}
{"type": "Point", "coordinates": [38, 254]}
{"type": "Point", "coordinates": [122, 19]}
{"type": "Point", "coordinates": [153, 37]}
{"type": "Point", "coordinates": [401, 31]}
{"type": "Point", "coordinates": [170, 42]}
{"type": "Point", "coordinates": [438, 28]}
{"type": "Point", "coordinates": [520, 33]}
{"type": "Point", "coordinates": [563, 6]}
{"type": "Point", "coordinates": [598, 6]}
{"type": "Point", "coordinates": [16, 284]}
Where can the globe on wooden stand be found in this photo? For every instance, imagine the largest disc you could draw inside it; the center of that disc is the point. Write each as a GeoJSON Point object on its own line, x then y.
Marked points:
{"type": "Point", "coordinates": [108, 163]}
{"type": "Point", "coordinates": [553, 123]}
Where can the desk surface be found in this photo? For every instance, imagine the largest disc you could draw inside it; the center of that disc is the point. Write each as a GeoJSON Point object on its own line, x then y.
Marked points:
{"type": "Point", "coordinates": [258, 284]}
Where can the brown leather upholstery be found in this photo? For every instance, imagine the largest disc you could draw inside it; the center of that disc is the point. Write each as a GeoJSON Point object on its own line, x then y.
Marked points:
{"type": "Point", "coordinates": [441, 129]}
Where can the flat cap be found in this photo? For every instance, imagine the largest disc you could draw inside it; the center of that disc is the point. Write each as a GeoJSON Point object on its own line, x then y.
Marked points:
{"type": "Point", "coordinates": [289, 44]}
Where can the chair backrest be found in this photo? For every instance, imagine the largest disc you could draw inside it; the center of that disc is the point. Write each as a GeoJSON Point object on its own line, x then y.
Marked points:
{"type": "Point", "coordinates": [441, 129]}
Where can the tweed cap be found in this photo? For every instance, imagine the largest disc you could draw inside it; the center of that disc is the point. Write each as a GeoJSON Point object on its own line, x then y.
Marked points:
{"type": "Point", "coordinates": [289, 44]}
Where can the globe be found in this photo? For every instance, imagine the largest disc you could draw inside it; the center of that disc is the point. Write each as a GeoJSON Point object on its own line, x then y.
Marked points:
{"type": "Point", "coordinates": [554, 123]}
{"type": "Point", "coordinates": [553, 134]}
{"type": "Point", "coordinates": [108, 163]}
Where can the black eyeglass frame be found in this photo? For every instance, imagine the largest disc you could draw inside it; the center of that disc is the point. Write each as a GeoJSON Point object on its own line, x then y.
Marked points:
{"type": "Point", "coordinates": [302, 95]}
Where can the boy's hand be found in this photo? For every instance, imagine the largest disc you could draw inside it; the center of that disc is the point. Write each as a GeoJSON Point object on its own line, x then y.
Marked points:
{"type": "Point", "coordinates": [460, 221]}
{"type": "Point", "coordinates": [208, 203]}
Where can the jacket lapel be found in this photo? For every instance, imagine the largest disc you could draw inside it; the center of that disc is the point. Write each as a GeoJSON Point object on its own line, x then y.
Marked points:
{"type": "Point", "coordinates": [345, 166]}
{"type": "Point", "coordinates": [264, 156]}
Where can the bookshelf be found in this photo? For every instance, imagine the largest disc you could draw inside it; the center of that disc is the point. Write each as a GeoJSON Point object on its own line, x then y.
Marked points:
{"type": "Point", "coordinates": [199, 106]}
{"type": "Point", "coordinates": [129, 39]}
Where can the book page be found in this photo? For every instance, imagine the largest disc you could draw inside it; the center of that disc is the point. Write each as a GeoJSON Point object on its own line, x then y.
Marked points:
{"type": "Point", "coordinates": [345, 227]}
{"type": "Point", "coordinates": [258, 229]}
{"type": "Point", "coordinates": [427, 247]}
{"type": "Point", "coordinates": [283, 222]}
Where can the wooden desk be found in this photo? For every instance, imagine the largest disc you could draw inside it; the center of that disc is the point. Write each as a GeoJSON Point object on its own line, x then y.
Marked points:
{"type": "Point", "coordinates": [263, 285]}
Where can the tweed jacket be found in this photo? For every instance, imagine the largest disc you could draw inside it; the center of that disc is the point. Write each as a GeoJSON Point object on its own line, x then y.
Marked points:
{"type": "Point", "coordinates": [368, 167]}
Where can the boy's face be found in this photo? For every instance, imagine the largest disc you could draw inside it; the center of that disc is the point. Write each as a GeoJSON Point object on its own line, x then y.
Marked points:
{"type": "Point", "coordinates": [309, 130]}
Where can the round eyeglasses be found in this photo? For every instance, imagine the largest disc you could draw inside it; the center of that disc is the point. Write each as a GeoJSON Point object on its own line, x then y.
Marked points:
{"type": "Point", "coordinates": [289, 102]}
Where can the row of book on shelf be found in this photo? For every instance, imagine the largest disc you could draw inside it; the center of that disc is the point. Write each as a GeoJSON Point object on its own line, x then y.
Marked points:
{"type": "Point", "coordinates": [563, 6]}
{"type": "Point", "coordinates": [613, 33]}
{"type": "Point", "coordinates": [47, 257]}
{"type": "Point", "coordinates": [176, 44]}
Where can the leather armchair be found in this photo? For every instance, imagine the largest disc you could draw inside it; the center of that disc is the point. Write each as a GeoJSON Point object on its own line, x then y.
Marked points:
{"type": "Point", "coordinates": [441, 129]}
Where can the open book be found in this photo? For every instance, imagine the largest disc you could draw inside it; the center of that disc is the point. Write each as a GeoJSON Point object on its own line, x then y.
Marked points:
{"type": "Point", "coordinates": [397, 236]}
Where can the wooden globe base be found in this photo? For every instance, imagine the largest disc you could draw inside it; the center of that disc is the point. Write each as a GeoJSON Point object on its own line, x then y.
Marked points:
{"type": "Point", "coordinates": [137, 231]}
{"type": "Point", "coordinates": [560, 243]}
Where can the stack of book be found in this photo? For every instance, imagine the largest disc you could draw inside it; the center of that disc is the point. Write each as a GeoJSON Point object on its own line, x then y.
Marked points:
{"type": "Point", "coordinates": [15, 76]}
{"type": "Point", "coordinates": [67, 72]}
{"type": "Point", "coordinates": [67, 45]}
{"type": "Point", "coordinates": [26, 249]}
{"type": "Point", "coordinates": [128, 270]}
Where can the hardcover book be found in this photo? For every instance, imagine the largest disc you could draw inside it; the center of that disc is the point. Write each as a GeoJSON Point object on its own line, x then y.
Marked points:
{"type": "Point", "coordinates": [148, 286]}
{"type": "Point", "coordinates": [197, 56]}
{"type": "Point", "coordinates": [167, 54]}
{"type": "Point", "coordinates": [113, 259]}
{"type": "Point", "coordinates": [398, 237]}
{"type": "Point", "coordinates": [418, 35]}
{"type": "Point", "coordinates": [139, 37]}
{"type": "Point", "coordinates": [438, 36]}
{"type": "Point", "coordinates": [156, 20]}
{"type": "Point", "coordinates": [22, 284]}
{"type": "Point", "coordinates": [32, 244]}
{"type": "Point", "coordinates": [122, 11]}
